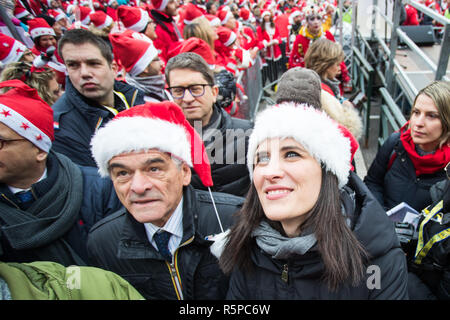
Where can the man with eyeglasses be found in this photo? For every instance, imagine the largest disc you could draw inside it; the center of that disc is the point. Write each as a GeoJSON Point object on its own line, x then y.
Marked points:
{"type": "Point", "coordinates": [191, 84]}
{"type": "Point", "coordinates": [47, 203]}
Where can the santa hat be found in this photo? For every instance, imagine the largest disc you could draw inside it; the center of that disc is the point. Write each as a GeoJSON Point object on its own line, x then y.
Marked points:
{"type": "Point", "coordinates": [295, 13]}
{"type": "Point", "coordinates": [161, 126]}
{"type": "Point", "coordinates": [312, 128]}
{"type": "Point", "coordinates": [20, 11]}
{"type": "Point", "coordinates": [11, 50]}
{"type": "Point", "coordinates": [84, 15]}
{"type": "Point", "coordinates": [226, 36]}
{"type": "Point", "coordinates": [100, 19]}
{"type": "Point", "coordinates": [134, 19]}
{"type": "Point", "coordinates": [57, 15]}
{"type": "Point", "coordinates": [191, 12]}
{"type": "Point", "coordinates": [214, 21]}
{"type": "Point", "coordinates": [244, 13]}
{"type": "Point", "coordinates": [39, 27]}
{"type": "Point", "coordinates": [265, 13]}
{"type": "Point", "coordinates": [224, 16]}
{"type": "Point", "coordinates": [160, 4]}
{"type": "Point", "coordinates": [22, 110]}
{"type": "Point", "coordinates": [199, 47]}
{"type": "Point", "coordinates": [134, 54]}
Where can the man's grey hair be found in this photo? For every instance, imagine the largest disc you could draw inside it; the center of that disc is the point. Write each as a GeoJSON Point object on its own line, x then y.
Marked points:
{"type": "Point", "coordinates": [191, 61]}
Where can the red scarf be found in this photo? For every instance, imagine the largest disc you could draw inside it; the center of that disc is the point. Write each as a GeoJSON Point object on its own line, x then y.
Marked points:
{"type": "Point", "coordinates": [429, 163]}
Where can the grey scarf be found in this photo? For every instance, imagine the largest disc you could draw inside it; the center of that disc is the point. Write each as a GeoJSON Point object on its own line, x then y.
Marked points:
{"type": "Point", "coordinates": [153, 85]}
{"type": "Point", "coordinates": [42, 226]}
{"type": "Point", "coordinates": [278, 246]}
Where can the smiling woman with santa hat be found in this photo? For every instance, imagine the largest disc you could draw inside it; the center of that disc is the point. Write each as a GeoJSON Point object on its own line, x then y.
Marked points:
{"type": "Point", "coordinates": [309, 227]}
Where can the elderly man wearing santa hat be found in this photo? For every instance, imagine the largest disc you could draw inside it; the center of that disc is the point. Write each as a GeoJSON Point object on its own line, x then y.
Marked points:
{"type": "Point", "coordinates": [162, 240]}
{"type": "Point", "coordinates": [92, 96]}
{"type": "Point", "coordinates": [142, 64]}
{"type": "Point", "coordinates": [47, 204]}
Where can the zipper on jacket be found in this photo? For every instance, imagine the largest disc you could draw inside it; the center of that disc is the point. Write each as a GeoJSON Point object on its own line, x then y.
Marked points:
{"type": "Point", "coordinates": [174, 274]}
{"type": "Point", "coordinates": [284, 273]}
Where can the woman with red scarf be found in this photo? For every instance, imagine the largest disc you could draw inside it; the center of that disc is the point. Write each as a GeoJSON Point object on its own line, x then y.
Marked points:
{"type": "Point", "coordinates": [413, 159]}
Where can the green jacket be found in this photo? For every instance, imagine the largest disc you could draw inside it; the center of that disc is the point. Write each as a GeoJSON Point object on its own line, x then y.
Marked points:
{"type": "Point", "coordinates": [51, 281]}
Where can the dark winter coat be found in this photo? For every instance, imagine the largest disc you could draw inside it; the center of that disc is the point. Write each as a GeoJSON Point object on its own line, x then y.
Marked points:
{"type": "Point", "coordinates": [119, 244]}
{"type": "Point", "coordinates": [302, 273]}
{"type": "Point", "coordinates": [232, 178]}
{"type": "Point", "coordinates": [77, 118]}
{"type": "Point", "coordinates": [399, 183]}
{"type": "Point", "coordinates": [98, 200]}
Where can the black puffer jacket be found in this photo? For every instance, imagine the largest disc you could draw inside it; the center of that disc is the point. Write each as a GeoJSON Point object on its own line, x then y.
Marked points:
{"type": "Point", "coordinates": [399, 183]}
{"type": "Point", "coordinates": [119, 243]}
{"type": "Point", "coordinates": [229, 171]}
{"type": "Point", "coordinates": [77, 118]}
{"type": "Point", "coordinates": [375, 232]}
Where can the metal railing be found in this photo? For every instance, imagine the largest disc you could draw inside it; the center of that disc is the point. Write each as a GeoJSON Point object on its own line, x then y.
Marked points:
{"type": "Point", "coordinates": [391, 117]}
{"type": "Point", "coordinates": [363, 78]}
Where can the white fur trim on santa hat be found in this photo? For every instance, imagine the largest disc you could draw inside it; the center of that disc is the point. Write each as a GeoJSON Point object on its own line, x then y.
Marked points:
{"type": "Point", "coordinates": [15, 53]}
{"type": "Point", "coordinates": [133, 134]}
{"type": "Point", "coordinates": [37, 32]}
{"type": "Point", "coordinates": [106, 23]}
{"type": "Point", "coordinates": [24, 128]}
{"type": "Point", "coordinates": [227, 17]}
{"type": "Point", "coordinates": [144, 61]}
{"type": "Point", "coordinates": [312, 128]}
{"type": "Point", "coordinates": [231, 39]}
{"type": "Point", "coordinates": [142, 23]}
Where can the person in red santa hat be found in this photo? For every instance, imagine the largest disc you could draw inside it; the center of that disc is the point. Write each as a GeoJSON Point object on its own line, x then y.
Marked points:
{"type": "Point", "coordinates": [269, 35]}
{"type": "Point", "coordinates": [142, 64]}
{"type": "Point", "coordinates": [138, 20]}
{"type": "Point", "coordinates": [44, 39]}
{"type": "Point", "coordinates": [312, 31]}
{"type": "Point", "coordinates": [227, 19]}
{"type": "Point", "coordinates": [150, 153]}
{"type": "Point", "coordinates": [12, 50]}
{"type": "Point", "coordinates": [168, 34]}
{"type": "Point", "coordinates": [101, 24]}
{"type": "Point", "coordinates": [191, 12]}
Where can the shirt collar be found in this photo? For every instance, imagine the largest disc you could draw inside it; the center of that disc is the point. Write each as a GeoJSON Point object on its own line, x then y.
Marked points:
{"type": "Point", "coordinates": [174, 225]}
{"type": "Point", "coordinates": [15, 190]}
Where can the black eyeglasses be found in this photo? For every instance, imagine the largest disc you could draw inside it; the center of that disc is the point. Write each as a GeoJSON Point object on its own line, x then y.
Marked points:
{"type": "Point", "coordinates": [196, 90]}
{"type": "Point", "coordinates": [3, 141]}
{"type": "Point", "coordinates": [447, 168]}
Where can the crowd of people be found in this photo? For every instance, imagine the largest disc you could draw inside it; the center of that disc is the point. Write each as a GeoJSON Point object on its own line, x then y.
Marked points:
{"type": "Point", "coordinates": [123, 162]}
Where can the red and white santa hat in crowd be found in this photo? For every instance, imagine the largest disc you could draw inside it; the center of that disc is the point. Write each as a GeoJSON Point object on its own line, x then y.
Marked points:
{"type": "Point", "coordinates": [266, 13]}
{"type": "Point", "coordinates": [200, 47]}
{"type": "Point", "coordinates": [226, 36]}
{"type": "Point", "coordinates": [20, 12]}
{"type": "Point", "coordinates": [39, 27]}
{"type": "Point", "coordinates": [214, 21]}
{"type": "Point", "coordinates": [100, 19]}
{"type": "Point", "coordinates": [132, 18]}
{"type": "Point", "coordinates": [294, 13]}
{"type": "Point", "coordinates": [312, 128]}
{"type": "Point", "coordinates": [224, 16]}
{"type": "Point", "coordinates": [57, 15]}
{"type": "Point", "coordinates": [134, 53]}
{"type": "Point", "coordinates": [11, 50]}
{"type": "Point", "coordinates": [191, 12]}
{"type": "Point", "coordinates": [160, 126]}
{"type": "Point", "coordinates": [22, 110]}
{"type": "Point", "coordinates": [84, 15]}
{"type": "Point", "coordinates": [245, 15]}
{"type": "Point", "coordinates": [160, 5]}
